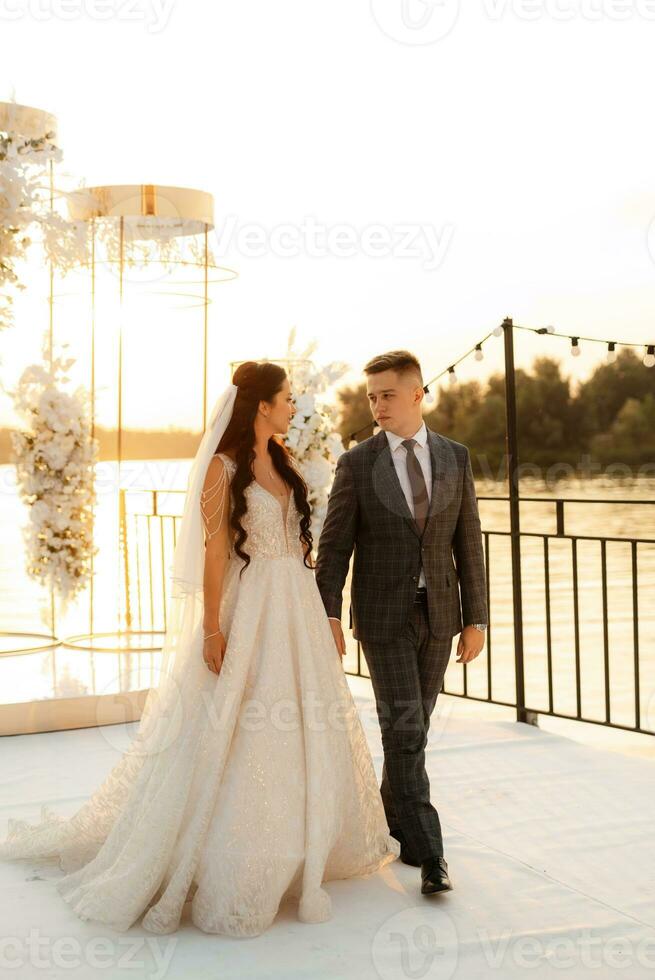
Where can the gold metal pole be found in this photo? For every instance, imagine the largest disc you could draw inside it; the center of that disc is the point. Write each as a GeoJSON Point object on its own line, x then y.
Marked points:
{"type": "Point", "coordinates": [93, 432]}
{"type": "Point", "coordinates": [121, 271]}
{"type": "Point", "coordinates": [93, 399]}
{"type": "Point", "coordinates": [122, 531]}
{"type": "Point", "coordinates": [51, 321]}
{"type": "Point", "coordinates": [205, 306]}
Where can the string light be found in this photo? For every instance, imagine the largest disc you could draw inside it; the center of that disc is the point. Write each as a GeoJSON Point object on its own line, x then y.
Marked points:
{"type": "Point", "coordinates": [593, 340]}
{"type": "Point", "coordinates": [576, 350]}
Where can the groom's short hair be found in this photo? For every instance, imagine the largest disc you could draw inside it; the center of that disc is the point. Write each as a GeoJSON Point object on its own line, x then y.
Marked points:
{"type": "Point", "coordinates": [401, 361]}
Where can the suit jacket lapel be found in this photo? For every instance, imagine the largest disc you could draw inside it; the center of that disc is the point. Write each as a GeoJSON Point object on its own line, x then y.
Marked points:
{"type": "Point", "coordinates": [387, 484]}
{"type": "Point", "coordinates": [438, 458]}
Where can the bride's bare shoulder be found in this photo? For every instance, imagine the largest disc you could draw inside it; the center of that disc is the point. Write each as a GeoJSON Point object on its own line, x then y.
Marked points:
{"type": "Point", "coordinates": [215, 471]}
{"type": "Point", "coordinates": [224, 460]}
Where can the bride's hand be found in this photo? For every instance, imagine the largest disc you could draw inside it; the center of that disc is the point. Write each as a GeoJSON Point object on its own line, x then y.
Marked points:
{"type": "Point", "coordinates": [337, 633]}
{"type": "Point", "coordinates": [213, 651]}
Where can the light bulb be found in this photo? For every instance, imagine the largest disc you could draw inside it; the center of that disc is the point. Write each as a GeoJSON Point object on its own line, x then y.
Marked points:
{"type": "Point", "coordinates": [479, 356]}
{"type": "Point", "coordinates": [498, 332]}
{"type": "Point", "coordinates": [611, 356]}
{"type": "Point", "coordinates": [649, 360]}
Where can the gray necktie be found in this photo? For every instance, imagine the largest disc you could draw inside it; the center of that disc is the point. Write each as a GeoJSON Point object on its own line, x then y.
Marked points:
{"type": "Point", "coordinates": [417, 483]}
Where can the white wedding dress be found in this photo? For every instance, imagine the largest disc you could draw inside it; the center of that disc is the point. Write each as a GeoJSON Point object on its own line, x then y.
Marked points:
{"type": "Point", "coordinates": [266, 786]}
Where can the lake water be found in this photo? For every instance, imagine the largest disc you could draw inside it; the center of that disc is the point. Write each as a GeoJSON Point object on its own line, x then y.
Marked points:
{"type": "Point", "coordinates": [25, 607]}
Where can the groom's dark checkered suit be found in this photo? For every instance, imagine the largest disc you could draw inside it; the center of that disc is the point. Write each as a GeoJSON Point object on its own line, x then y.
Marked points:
{"type": "Point", "coordinates": [407, 645]}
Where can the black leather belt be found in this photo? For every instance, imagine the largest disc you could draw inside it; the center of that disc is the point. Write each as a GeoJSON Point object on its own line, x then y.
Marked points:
{"type": "Point", "coordinates": [421, 594]}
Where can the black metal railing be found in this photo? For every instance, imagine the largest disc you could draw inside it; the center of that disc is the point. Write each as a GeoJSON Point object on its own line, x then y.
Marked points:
{"type": "Point", "coordinates": [554, 677]}
{"type": "Point", "coordinates": [619, 700]}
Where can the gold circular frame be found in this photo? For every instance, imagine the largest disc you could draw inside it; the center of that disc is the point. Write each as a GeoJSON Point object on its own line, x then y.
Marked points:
{"type": "Point", "coordinates": [75, 642]}
{"type": "Point", "coordinates": [23, 651]}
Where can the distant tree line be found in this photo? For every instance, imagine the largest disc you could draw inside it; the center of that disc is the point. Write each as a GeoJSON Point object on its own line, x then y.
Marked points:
{"type": "Point", "coordinates": [609, 418]}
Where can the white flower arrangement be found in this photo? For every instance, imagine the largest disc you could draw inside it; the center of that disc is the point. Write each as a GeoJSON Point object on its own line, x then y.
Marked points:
{"type": "Point", "coordinates": [26, 215]}
{"type": "Point", "coordinates": [311, 436]}
{"type": "Point", "coordinates": [55, 457]}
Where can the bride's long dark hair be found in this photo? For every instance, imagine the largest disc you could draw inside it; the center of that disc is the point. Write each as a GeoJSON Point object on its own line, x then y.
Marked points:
{"type": "Point", "coordinates": [259, 381]}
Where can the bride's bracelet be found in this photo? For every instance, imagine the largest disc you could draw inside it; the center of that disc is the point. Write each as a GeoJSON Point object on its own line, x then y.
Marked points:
{"type": "Point", "coordinates": [211, 634]}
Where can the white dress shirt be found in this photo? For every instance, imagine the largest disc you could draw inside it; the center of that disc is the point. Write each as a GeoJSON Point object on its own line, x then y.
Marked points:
{"type": "Point", "coordinates": [399, 457]}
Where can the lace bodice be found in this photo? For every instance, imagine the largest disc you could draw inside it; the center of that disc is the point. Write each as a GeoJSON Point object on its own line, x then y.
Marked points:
{"type": "Point", "coordinates": [269, 534]}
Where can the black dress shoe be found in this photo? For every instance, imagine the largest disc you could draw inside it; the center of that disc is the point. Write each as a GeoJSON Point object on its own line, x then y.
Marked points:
{"type": "Point", "coordinates": [434, 876]}
{"type": "Point", "coordinates": [405, 855]}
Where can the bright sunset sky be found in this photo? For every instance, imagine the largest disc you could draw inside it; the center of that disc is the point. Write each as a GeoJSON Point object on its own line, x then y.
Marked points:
{"type": "Point", "coordinates": [515, 141]}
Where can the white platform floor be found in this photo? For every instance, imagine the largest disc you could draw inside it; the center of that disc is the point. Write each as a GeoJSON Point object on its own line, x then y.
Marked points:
{"type": "Point", "coordinates": [549, 843]}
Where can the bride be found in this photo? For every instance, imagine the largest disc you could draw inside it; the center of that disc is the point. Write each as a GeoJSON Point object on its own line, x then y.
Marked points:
{"type": "Point", "coordinates": [249, 779]}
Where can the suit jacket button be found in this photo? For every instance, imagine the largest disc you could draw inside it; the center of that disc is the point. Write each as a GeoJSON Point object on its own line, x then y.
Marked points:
{"type": "Point", "coordinates": [414, 578]}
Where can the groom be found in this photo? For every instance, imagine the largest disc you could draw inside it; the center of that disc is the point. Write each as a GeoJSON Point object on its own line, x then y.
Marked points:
{"type": "Point", "coordinates": [405, 501]}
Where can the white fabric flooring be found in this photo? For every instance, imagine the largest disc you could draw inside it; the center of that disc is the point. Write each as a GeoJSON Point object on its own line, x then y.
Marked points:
{"type": "Point", "coordinates": [549, 843]}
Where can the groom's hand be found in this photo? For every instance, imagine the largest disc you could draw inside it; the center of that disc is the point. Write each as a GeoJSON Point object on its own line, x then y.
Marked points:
{"type": "Point", "coordinates": [337, 633]}
{"type": "Point", "coordinates": [471, 641]}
